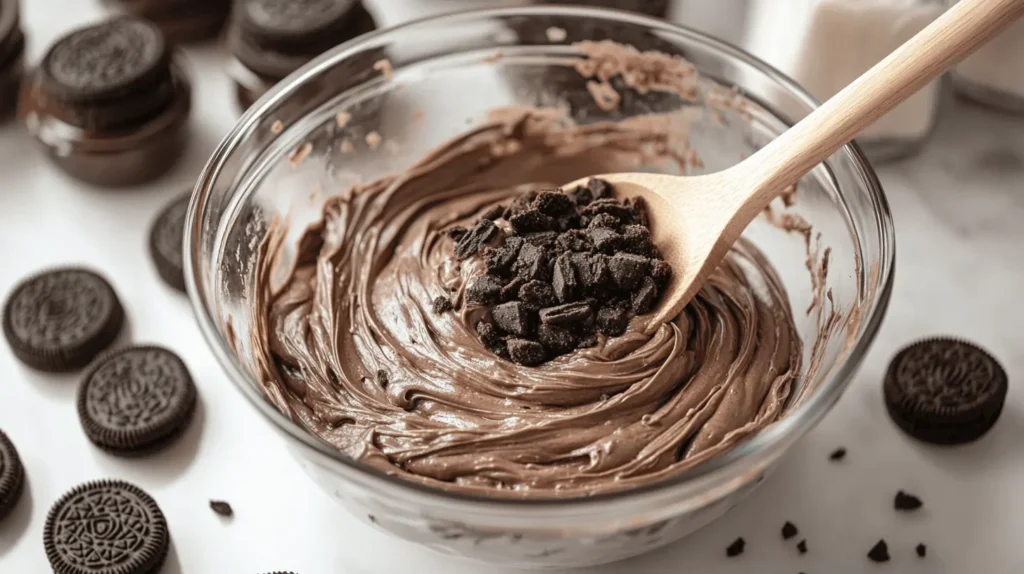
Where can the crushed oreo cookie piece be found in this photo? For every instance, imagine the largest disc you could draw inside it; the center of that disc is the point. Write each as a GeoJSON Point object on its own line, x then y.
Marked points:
{"type": "Point", "coordinates": [802, 547]}
{"type": "Point", "coordinates": [514, 317]}
{"type": "Point", "coordinates": [526, 352]}
{"type": "Point", "coordinates": [879, 552]}
{"type": "Point", "coordinates": [736, 548]}
{"type": "Point", "coordinates": [484, 290]}
{"type": "Point", "coordinates": [838, 454]}
{"type": "Point", "coordinates": [789, 530]}
{"type": "Point", "coordinates": [442, 304]}
{"type": "Point", "coordinates": [921, 550]}
{"type": "Point", "coordinates": [562, 269]}
{"type": "Point", "coordinates": [471, 242]}
{"type": "Point", "coordinates": [905, 502]}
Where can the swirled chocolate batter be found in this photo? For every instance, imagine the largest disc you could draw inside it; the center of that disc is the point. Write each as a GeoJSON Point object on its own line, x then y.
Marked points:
{"type": "Point", "coordinates": [351, 346]}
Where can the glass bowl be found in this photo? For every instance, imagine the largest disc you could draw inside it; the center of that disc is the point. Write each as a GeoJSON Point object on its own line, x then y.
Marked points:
{"type": "Point", "coordinates": [446, 75]}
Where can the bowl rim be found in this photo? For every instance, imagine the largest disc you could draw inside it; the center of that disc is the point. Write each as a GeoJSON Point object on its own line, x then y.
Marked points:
{"type": "Point", "coordinates": [796, 423]}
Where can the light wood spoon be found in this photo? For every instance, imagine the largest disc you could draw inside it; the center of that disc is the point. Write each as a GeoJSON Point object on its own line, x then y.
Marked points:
{"type": "Point", "coordinates": [695, 219]}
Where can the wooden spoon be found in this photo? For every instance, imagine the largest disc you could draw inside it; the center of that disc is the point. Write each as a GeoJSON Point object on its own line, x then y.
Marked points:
{"type": "Point", "coordinates": [695, 219]}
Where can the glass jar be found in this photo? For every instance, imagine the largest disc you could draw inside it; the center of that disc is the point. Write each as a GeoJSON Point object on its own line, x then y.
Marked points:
{"type": "Point", "coordinates": [994, 75]}
{"type": "Point", "coordinates": [445, 78]}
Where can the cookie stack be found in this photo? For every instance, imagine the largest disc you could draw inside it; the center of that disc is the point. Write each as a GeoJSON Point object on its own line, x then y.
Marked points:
{"type": "Point", "coordinates": [181, 20]}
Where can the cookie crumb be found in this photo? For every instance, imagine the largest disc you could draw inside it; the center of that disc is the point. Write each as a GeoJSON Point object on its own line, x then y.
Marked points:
{"type": "Point", "coordinates": [299, 154]}
{"type": "Point", "coordinates": [838, 454]}
{"type": "Point", "coordinates": [556, 34]}
{"type": "Point", "coordinates": [736, 548]}
{"type": "Point", "coordinates": [341, 119]}
{"type": "Point", "coordinates": [905, 502]}
{"type": "Point", "coordinates": [921, 550]}
{"type": "Point", "coordinates": [373, 140]}
{"type": "Point", "coordinates": [879, 552]}
{"type": "Point", "coordinates": [384, 67]}
{"type": "Point", "coordinates": [277, 127]}
{"type": "Point", "coordinates": [802, 546]}
{"type": "Point", "coordinates": [789, 530]}
{"type": "Point", "coordinates": [222, 508]}
{"type": "Point", "coordinates": [442, 304]}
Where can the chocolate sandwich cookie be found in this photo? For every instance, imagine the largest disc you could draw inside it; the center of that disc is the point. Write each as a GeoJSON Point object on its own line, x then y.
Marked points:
{"type": "Point", "coordinates": [109, 103]}
{"type": "Point", "coordinates": [59, 320]}
{"type": "Point", "coordinates": [182, 21]}
{"type": "Point", "coordinates": [657, 8]}
{"type": "Point", "coordinates": [106, 527]}
{"type": "Point", "coordinates": [136, 399]}
{"type": "Point", "coordinates": [12, 55]}
{"type": "Point", "coordinates": [12, 476]}
{"type": "Point", "coordinates": [945, 391]}
{"type": "Point", "coordinates": [272, 38]}
{"type": "Point", "coordinates": [165, 241]}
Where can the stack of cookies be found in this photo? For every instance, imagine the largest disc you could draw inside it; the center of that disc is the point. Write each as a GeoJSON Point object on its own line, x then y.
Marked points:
{"type": "Point", "coordinates": [180, 20]}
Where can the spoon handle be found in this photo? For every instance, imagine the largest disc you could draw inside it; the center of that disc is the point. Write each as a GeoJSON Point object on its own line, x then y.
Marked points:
{"type": "Point", "coordinates": [947, 40]}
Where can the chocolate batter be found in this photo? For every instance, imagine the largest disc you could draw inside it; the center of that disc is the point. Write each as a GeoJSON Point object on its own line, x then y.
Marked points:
{"type": "Point", "coordinates": [349, 346]}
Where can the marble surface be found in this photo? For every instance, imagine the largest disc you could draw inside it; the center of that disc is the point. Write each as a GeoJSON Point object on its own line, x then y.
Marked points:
{"type": "Point", "coordinates": [960, 270]}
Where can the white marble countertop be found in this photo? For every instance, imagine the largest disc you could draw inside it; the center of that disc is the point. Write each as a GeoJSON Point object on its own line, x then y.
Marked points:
{"type": "Point", "coordinates": [958, 208]}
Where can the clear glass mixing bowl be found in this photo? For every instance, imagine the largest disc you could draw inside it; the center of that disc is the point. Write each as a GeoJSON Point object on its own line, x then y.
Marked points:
{"type": "Point", "coordinates": [446, 76]}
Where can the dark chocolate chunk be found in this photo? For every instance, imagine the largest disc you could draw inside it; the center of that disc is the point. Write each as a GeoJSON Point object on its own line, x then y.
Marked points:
{"type": "Point", "coordinates": [580, 195]}
{"type": "Point", "coordinates": [514, 317]}
{"type": "Point", "coordinates": [494, 213]}
{"type": "Point", "coordinates": [587, 341]}
{"type": "Point", "coordinates": [612, 321]}
{"type": "Point", "coordinates": [736, 548]}
{"type": "Point", "coordinates": [383, 378]}
{"type": "Point", "coordinates": [553, 203]}
{"type": "Point", "coordinates": [12, 476]}
{"type": "Point", "coordinates": [532, 264]}
{"type": "Point", "coordinates": [489, 334]}
{"type": "Point", "coordinates": [789, 530]}
{"type": "Point", "coordinates": [945, 391]}
{"type": "Point", "coordinates": [442, 304]}
{"type": "Point", "coordinates": [526, 352]}
{"type": "Point", "coordinates": [905, 502]}
{"type": "Point", "coordinates": [471, 242]}
{"type": "Point", "coordinates": [802, 547]}
{"type": "Point", "coordinates": [921, 550]}
{"type": "Point", "coordinates": [558, 340]}
{"type": "Point", "coordinates": [531, 220]}
{"type": "Point", "coordinates": [604, 220]}
{"type": "Point", "coordinates": [645, 298]}
{"type": "Point", "coordinates": [544, 239]}
{"type": "Point", "coordinates": [837, 454]}
{"type": "Point", "coordinates": [636, 239]}
{"type": "Point", "coordinates": [879, 552]}
{"type": "Point", "coordinates": [165, 242]}
{"type": "Point", "coordinates": [661, 272]}
{"type": "Point", "coordinates": [628, 271]}
{"type": "Point", "coordinates": [484, 290]}
{"type": "Point", "coordinates": [499, 260]}
{"type": "Point", "coordinates": [105, 527]}
{"type": "Point", "coordinates": [568, 315]}
{"type": "Point", "coordinates": [604, 239]}
{"type": "Point", "coordinates": [222, 508]}
{"type": "Point", "coordinates": [573, 240]}
{"type": "Point", "coordinates": [59, 320]}
{"type": "Point", "coordinates": [564, 280]}
{"type": "Point", "coordinates": [136, 399]}
{"type": "Point", "coordinates": [538, 294]}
